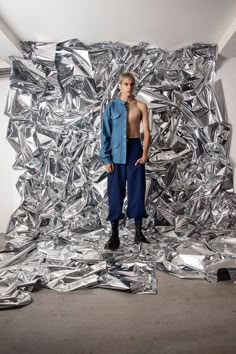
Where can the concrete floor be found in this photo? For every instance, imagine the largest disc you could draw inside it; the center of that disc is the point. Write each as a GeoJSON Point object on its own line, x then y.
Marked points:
{"type": "Point", "coordinates": [187, 316]}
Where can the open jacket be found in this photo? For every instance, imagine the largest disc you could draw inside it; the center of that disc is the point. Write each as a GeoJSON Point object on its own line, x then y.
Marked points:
{"type": "Point", "coordinates": [114, 132]}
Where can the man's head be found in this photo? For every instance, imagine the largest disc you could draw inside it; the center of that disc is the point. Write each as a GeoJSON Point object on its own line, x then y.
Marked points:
{"type": "Point", "coordinates": [126, 83]}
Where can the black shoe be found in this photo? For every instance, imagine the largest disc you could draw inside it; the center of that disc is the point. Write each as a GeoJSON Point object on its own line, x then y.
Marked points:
{"type": "Point", "coordinates": [114, 242]}
{"type": "Point", "coordinates": [139, 236]}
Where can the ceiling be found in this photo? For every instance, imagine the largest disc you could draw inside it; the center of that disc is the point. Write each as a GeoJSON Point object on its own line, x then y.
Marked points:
{"type": "Point", "coordinates": [169, 24]}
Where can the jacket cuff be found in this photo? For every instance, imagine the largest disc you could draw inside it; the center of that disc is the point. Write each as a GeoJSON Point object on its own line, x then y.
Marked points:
{"type": "Point", "coordinates": [107, 160]}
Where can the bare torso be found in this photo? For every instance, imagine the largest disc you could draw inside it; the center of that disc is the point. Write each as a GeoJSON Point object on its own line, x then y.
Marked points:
{"type": "Point", "coordinates": [134, 119]}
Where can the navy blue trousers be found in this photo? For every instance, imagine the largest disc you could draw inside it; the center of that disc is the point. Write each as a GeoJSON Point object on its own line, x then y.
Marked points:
{"type": "Point", "coordinates": [136, 185]}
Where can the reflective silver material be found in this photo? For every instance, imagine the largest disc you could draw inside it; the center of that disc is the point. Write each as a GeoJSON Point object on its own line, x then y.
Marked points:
{"type": "Point", "coordinates": [56, 236]}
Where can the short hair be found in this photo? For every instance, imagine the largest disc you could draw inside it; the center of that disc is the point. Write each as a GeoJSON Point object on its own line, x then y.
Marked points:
{"type": "Point", "coordinates": [125, 75]}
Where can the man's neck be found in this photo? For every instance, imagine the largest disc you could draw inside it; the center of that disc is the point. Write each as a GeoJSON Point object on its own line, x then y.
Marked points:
{"type": "Point", "coordinates": [127, 98]}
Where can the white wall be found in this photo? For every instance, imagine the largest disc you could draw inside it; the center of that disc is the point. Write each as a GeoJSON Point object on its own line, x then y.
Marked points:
{"type": "Point", "coordinates": [168, 24]}
{"type": "Point", "coordinates": [9, 197]}
{"type": "Point", "coordinates": [226, 92]}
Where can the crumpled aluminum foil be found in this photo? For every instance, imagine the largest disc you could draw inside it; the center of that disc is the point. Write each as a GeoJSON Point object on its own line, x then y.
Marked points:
{"type": "Point", "coordinates": [56, 236]}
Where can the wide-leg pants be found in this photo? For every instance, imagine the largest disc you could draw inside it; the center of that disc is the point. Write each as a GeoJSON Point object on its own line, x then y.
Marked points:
{"type": "Point", "coordinates": [136, 184]}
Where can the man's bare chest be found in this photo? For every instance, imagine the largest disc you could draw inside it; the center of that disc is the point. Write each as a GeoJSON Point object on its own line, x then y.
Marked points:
{"type": "Point", "coordinates": [134, 114]}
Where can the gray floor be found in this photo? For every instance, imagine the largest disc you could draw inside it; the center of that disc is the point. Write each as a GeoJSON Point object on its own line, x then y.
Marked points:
{"type": "Point", "coordinates": [187, 316]}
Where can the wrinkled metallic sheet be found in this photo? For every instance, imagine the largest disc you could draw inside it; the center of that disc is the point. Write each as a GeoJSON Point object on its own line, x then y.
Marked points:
{"type": "Point", "coordinates": [56, 236]}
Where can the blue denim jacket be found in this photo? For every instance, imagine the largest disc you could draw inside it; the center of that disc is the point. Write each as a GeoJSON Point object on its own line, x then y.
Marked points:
{"type": "Point", "coordinates": [114, 132]}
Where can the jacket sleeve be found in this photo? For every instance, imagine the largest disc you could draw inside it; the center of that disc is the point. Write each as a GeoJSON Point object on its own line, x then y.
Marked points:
{"type": "Point", "coordinates": [106, 131]}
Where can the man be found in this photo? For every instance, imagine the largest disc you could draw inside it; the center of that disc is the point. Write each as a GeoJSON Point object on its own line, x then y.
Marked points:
{"type": "Point", "coordinates": [124, 158]}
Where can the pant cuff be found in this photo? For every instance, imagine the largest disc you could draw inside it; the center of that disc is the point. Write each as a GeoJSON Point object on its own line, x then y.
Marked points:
{"type": "Point", "coordinates": [112, 218]}
{"type": "Point", "coordinates": [137, 216]}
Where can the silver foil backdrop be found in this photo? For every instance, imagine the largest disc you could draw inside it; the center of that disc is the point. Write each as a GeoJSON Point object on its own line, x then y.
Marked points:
{"type": "Point", "coordinates": [56, 237]}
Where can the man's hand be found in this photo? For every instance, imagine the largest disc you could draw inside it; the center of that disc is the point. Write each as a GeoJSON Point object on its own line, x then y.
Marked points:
{"type": "Point", "coordinates": [109, 168]}
{"type": "Point", "coordinates": [143, 159]}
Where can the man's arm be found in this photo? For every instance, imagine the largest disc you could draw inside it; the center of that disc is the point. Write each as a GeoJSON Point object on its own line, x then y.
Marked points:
{"type": "Point", "coordinates": [146, 130]}
{"type": "Point", "coordinates": [105, 153]}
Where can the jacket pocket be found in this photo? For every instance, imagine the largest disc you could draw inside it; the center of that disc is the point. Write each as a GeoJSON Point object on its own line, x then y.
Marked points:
{"type": "Point", "coordinates": [115, 115]}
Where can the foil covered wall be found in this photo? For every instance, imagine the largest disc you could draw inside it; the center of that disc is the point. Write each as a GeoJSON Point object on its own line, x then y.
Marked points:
{"type": "Point", "coordinates": [56, 236]}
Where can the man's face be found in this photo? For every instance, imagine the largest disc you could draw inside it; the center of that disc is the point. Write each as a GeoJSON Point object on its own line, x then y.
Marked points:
{"type": "Point", "coordinates": [127, 86]}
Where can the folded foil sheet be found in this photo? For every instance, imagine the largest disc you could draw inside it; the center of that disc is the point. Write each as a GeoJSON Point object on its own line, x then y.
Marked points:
{"type": "Point", "coordinates": [56, 236]}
